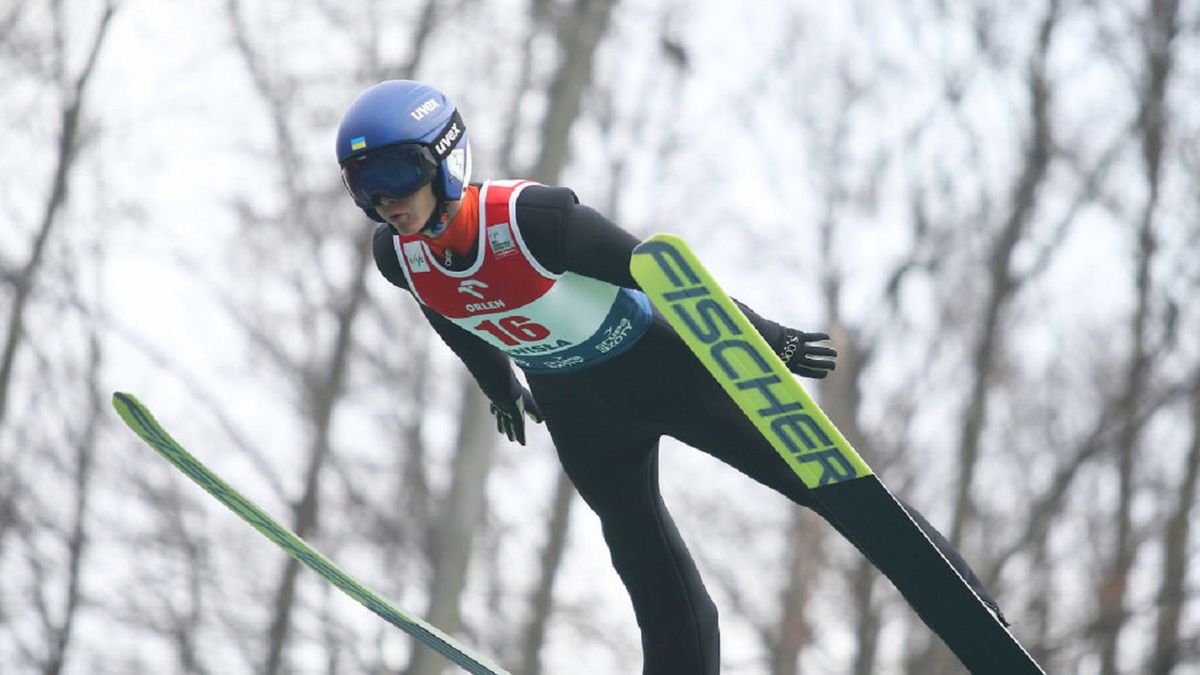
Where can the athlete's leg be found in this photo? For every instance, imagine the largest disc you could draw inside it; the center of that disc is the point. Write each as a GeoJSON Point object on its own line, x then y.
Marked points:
{"type": "Point", "coordinates": [721, 429]}
{"type": "Point", "coordinates": [614, 466]}
{"type": "Point", "coordinates": [683, 400]}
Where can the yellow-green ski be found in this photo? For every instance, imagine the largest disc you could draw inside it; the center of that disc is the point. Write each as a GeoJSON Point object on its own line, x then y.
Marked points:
{"type": "Point", "coordinates": [724, 340]}
{"type": "Point", "coordinates": [850, 495]}
{"type": "Point", "coordinates": [144, 425]}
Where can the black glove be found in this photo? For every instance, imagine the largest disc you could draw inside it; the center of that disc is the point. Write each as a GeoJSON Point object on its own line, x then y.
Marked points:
{"type": "Point", "coordinates": [804, 358]}
{"type": "Point", "coordinates": [510, 419]}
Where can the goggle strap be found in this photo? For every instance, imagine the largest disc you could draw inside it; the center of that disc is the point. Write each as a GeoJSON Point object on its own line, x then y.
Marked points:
{"type": "Point", "coordinates": [444, 142]}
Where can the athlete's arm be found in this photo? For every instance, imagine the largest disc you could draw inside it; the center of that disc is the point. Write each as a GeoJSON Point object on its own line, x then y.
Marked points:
{"type": "Point", "coordinates": [564, 235]}
{"type": "Point", "coordinates": [489, 366]}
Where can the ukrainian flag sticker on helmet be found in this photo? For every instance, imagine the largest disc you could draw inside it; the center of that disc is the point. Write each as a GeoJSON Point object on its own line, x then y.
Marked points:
{"type": "Point", "coordinates": [358, 143]}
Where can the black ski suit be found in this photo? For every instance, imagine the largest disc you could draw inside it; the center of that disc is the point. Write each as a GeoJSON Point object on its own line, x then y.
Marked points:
{"type": "Point", "coordinates": [606, 421]}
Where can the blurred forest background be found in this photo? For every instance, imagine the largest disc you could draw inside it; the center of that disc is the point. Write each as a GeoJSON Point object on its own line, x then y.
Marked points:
{"type": "Point", "coordinates": [992, 206]}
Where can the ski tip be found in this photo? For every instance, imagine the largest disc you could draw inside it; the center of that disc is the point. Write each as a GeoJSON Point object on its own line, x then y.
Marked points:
{"type": "Point", "coordinates": [124, 403]}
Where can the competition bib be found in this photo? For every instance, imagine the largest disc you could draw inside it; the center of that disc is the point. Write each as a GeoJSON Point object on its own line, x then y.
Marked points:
{"type": "Point", "coordinates": [545, 322]}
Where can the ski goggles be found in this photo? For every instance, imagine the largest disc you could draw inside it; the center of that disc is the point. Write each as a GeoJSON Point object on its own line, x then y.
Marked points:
{"type": "Point", "coordinates": [402, 169]}
{"type": "Point", "coordinates": [394, 171]}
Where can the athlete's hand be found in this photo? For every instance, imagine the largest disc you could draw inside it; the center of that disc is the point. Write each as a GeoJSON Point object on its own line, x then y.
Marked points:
{"type": "Point", "coordinates": [510, 419]}
{"type": "Point", "coordinates": [802, 354]}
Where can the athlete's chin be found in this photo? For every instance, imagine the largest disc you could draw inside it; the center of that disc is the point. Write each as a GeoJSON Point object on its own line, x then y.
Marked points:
{"type": "Point", "coordinates": [406, 227]}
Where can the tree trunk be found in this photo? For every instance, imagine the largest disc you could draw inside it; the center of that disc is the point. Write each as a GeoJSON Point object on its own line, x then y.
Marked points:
{"type": "Point", "coordinates": [324, 392]}
{"type": "Point", "coordinates": [1002, 282]}
{"type": "Point", "coordinates": [841, 398]}
{"type": "Point", "coordinates": [803, 551]}
{"type": "Point", "coordinates": [579, 36]}
{"type": "Point", "coordinates": [77, 540]}
{"type": "Point", "coordinates": [67, 152]}
{"type": "Point", "coordinates": [1177, 539]}
{"type": "Point", "coordinates": [542, 601]}
{"type": "Point", "coordinates": [462, 508]}
{"type": "Point", "coordinates": [1162, 26]}
{"type": "Point", "coordinates": [866, 617]}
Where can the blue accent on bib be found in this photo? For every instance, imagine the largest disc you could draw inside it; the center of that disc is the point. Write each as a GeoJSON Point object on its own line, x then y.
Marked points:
{"type": "Point", "coordinates": [624, 325]}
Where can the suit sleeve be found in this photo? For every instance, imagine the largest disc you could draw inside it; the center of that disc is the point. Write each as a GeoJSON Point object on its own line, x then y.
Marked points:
{"type": "Point", "coordinates": [566, 236]}
{"type": "Point", "coordinates": [489, 366]}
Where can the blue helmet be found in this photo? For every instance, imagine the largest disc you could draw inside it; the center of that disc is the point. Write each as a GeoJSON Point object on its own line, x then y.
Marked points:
{"type": "Point", "coordinates": [397, 136]}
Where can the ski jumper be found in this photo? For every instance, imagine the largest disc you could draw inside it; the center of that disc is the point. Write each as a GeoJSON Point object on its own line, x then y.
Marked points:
{"type": "Point", "coordinates": [547, 285]}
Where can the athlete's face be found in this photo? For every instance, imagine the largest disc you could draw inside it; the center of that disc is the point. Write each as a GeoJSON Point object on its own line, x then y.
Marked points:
{"type": "Point", "coordinates": [408, 214]}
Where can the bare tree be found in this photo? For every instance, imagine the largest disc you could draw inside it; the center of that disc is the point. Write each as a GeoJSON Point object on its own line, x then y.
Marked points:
{"type": "Point", "coordinates": [1004, 281]}
{"type": "Point", "coordinates": [578, 33]}
{"type": "Point", "coordinates": [60, 622]}
{"type": "Point", "coordinates": [1160, 27]}
{"type": "Point", "coordinates": [841, 397]}
{"type": "Point", "coordinates": [73, 89]}
{"type": "Point", "coordinates": [793, 631]}
{"type": "Point", "coordinates": [174, 543]}
{"type": "Point", "coordinates": [1176, 558]}
{"type": "Point", "coordinates": [542, 598]}
{"type": "Point", "coordinates": [461, 509]}
{"type": "Point", "coordinates": [59, 367]}
{"type": "Point", "coordinates": [319, 375]}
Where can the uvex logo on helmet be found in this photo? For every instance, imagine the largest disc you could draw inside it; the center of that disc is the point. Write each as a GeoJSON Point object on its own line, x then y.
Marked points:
{"type": "Point", "coordinates": [448, 139]}
{"type": "Point", "coordinates": [424, 109]}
